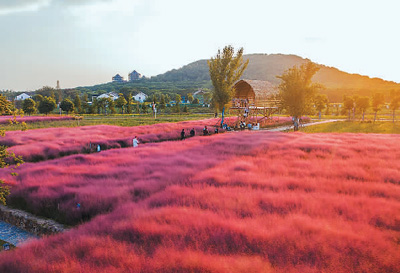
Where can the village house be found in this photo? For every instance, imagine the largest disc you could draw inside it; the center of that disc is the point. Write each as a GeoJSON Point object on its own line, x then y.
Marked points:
{"type": "Point", "coordinates": [134, 76]}
{"type": "Point", "coordinates": [141, 97]}
{"type": "Point", "coordinates": [118, 78]}
{"type": "Point", "coordinates": [111, 95]}
{"type": "Point", "coordinates": [22, 96]}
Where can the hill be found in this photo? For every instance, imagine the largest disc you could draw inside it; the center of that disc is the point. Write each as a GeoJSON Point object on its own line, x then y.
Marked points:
{"type": "Point", "coordinates": [268, 66]}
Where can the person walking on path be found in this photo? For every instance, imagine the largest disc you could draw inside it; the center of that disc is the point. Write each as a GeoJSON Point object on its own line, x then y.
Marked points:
{"type": "Point", "coordinates": [205, 131]}
{"type": "Point", "coordinates": [192, 132]}
{"type": "Point", "coordinates": [135, 142]}
{"type": "Point", "coordinates": [183, 134]}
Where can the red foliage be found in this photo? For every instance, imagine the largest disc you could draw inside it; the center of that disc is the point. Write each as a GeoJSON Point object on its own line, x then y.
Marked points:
{"type": "Point", "coordinates": [50, 143]}
{"type": "Point", "coordinates": [251, 201]}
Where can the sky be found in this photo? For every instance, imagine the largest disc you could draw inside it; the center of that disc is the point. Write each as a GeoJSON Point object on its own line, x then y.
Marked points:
{"type": "Point", "coordinates": [86, 42]}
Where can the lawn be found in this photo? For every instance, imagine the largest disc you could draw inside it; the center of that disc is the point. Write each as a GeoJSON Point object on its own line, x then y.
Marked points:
{"type": "Point", "coordinates": [237, 202]}
{"type": "Point", "coordinates": [381, 127]}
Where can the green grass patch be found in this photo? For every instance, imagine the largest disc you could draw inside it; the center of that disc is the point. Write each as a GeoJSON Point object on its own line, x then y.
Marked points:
{"type": "Point", "coordinates": [118, 120]}
{"type": "Point", "coordinates": [382, 127]}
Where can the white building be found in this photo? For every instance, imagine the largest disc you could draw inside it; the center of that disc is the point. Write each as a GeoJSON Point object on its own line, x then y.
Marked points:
{"type": "Point", "coordinates": [22, 96]}
{"type": "Point", "coordinates": [111, 95]}
{"type": "Point", "coordinates": [141, 97]}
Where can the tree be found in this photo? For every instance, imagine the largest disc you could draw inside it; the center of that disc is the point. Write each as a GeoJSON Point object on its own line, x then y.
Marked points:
{"type": "Point", "coordinates": [377, 101]}
{"type": "Point", "coordinates": [121, 102]}
{"type": "Point", "coordinates": [162, 102]}
{"type": "Point", "coordinates": [178, 100]}
{"type": "Point", "coordinates": [185, 109]}
{"type": "Point", "coordinates": [28, 105]}
{"type": "Point", "coordinates": [47, 105]}
{"type": "Point", "coordinates": [348, 104]}
{"type": "Point", "coordinates": [394, 105]}
{"type": "Point", "coordinates": [5, 106]}
{"type": "Point", "coordinates": [85, 104]}
{"type": "Point", "coordinates": [129, 103]}
{"type": "Point", "coordinates": [362, 104]}
{"type": "Point", "coordinates": [144, 108]}
{"type": "Point", "coordinates": [78, 104]}
{"type": "Point", "coordinates": [38, 98]}
{"type": "Point", "coordinates": [190, 97]}
{"type": "Point", "coordinates": [297, 91]}
{"type": "Point", "coordinates": [67, 105]}
{"type": "Point", "coordinates": [154, 100]}
{"type": "Point", "coordinates": [225, 70]}
{"type": "Point", "coordinates": [137, 108]}
{"type": "Point", "coordinates": [195, 101]}
{"type": "Point", "coordinates": [167, 99]}
{"type": "Point", "coordinates": [320, 103]}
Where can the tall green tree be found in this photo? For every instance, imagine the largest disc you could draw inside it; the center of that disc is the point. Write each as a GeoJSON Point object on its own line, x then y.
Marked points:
{"type": "Point", "coordinates": [362, 104]}
{"type": "Point", "coordinates": [321, 100]}
{"type": "Point", "coordinates": [47, 105]}
{"type": "Point", "coordinates": [77, 104]}
{"type": "Point", "coordinates": [28, 105]}
{"type": "Point", "coordinates": [162, 102]}
{"type": "Point", "coordinates": [190, 97]}
{"type": "Point", "coordinates": [67, 106]}
{"type": "Point", "coordinates": [394, 105]}
{"type": "Point", "coordinates": [85, 104]}
{"type": "Point", "coordinates": [378, 100]}
{"type": "Point", "coordinates": [348, 104]}
{"type": "Point", "coordinates": [120, 102]}
{"type": "Point", "coordinates": [129, 103]}
{"type": "Point", "coordinates": [297, 91]}
{"type": "Point", "coordinates": [225, 69]}
{"type": "Point", "coordinates": [178, 100]}
{"type": "Point", "coordinates": [5, 106]}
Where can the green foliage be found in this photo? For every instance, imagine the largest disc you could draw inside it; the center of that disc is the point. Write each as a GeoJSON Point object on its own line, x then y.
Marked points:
{"type": "Point", "coordinates": [225, 69]}
{"type": "Point", "coordinates": [144, 108]}
{"type": "Point", "coordinates": [297, 91]}
{"type": "Point", "coordinates": [85, 104]}
{"type": "Point", "coordinates": [38, 98]}
{"type": "Point", "coordinates": [28, 105]}
{"type": "Point", "coordinates": [190, 97]}
{"type": "Point", "coordinates": [5, 106]}
{"type": "Point", "coordinates": [378, 100]}
{"type": "Point", "coordinates": [395, 103]}
{"type": "Point", "coordinates": [348, 104]}
{"type": "Point", "coordinates": [185, 109]}
{"type": "Point", "coordinates": [67, 105]}
{"type": "Point", "coordinates": [129, 103]}
{"type": "Point", "coordinates": [78, 104]}
{"type": "Point", "coordinates": [320, 101]}
{"type": "Point", "coordinates": [121, 102]}
{"type": "Point", "coordinates": [162, 102]}
{"type": "Point", "coordinates": [195, 101]}
{"type": "Point", "coordinates": [6, 159]}
{"type": "Point", "coordinates": [362, 104]}
{"type": "Point", "coordinates": [47, 105]}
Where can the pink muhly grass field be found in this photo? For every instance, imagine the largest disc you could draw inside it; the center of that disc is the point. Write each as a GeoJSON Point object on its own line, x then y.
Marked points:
{"type": "Point", "coordinates": [250, 201]}
{"type": "Point", "coordinates": [32, 119]}
{"type": "Point", "coordinates": [42, 144]}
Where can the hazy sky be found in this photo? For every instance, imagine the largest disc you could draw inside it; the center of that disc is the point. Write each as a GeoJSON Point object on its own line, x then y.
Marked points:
{"type": "Point", "coordinates": [86, 42]}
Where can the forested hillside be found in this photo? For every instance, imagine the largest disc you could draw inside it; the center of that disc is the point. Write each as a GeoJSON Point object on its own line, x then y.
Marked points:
{"type": "Point", "coordinates": [193, 76]}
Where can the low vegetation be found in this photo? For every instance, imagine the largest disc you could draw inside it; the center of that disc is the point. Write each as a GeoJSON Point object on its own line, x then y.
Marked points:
{"type": "Point", "coordinates": [251, 201]}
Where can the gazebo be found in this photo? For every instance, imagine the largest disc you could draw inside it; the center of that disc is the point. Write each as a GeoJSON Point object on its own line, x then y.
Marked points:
{"type": "Point", "coordinates": [253, 98]}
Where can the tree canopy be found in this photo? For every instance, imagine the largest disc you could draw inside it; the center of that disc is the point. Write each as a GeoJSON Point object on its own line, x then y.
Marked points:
{"type": "Point", "coordinates": [67, 105]}
{"type": "Point", "coordinates": [297, 91]}
{"type": "Point", "coordinates": [225, 70]}
{"type": "Point", "coordinates": [47, 105]}
{"type": "Point", "coordinates": [28, 105]}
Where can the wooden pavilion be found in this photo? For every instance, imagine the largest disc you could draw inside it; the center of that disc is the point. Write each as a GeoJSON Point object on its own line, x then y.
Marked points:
{"type": "Point", "coordinates": [254, 98]}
